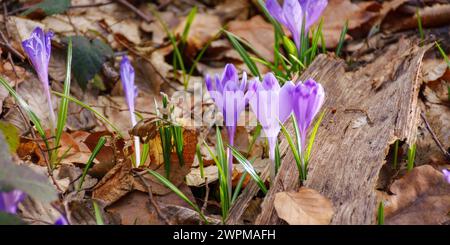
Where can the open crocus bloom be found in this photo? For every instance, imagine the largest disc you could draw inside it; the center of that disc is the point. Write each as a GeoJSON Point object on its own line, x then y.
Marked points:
{"type": "Point", "coordinates": [292, 12]}
{"type": "Point", "coordinates": [308, 98]}
{"type": "Point", "coordinates": [9, 201]}
{"type": "Point", "coordinates": [38, 48]}
{"type": "Point", "coordinates": [272, 104]}
{"type": "Point", "coordinates": [127, 76]}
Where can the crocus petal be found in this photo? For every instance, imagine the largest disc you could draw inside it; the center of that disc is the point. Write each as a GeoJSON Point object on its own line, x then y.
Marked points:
{"type": "Point", "coordinates": [294, 18]}
{"type": "Point", "coordinates": [270, 82]}
{"type": "Point", "coordinates": [276, 11]}
{"type": "Point", "coordinates": [9, 201]}
{"type": "Point", "coordinates": [127, 77]}
{"type": "Point", "coordinates": [285, 101]}
{"type": "Point", "coordinates": [61, 221]}
{"type": "Point", "coordinates": [313, 10]}
{"type": "Point", "coordinates": [446, 175]}
{"type": "Point", "coordinates": [230, 74]}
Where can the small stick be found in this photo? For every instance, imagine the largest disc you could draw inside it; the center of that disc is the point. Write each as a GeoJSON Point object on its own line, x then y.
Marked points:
{"type": "Point", "coordinates": [152, 200]}
{"type": "Point", "coordinates": [205, 203]}
{"type": "Point", "coordinates": [438, 142]}
{"type": "Point", "coordinates": [135, 10]}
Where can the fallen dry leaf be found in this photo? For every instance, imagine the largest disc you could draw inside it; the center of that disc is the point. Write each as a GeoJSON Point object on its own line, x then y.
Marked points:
{"type": "Point", "coordinates": [203, 28]}
{"type": "Point", "coordinates": [405, 17]}
{"type": "Point", "coordinates": [339, 11]}
{"type": "Point", "coordinates": [305, 207]}
{"type": "Point", "coordinates": [422, 196]}
{"type": "Point", "coordinates": [257, 32]}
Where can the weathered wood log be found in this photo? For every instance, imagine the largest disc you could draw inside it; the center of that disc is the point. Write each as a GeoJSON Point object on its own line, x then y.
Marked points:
{"type": "Point", "coordinates": [367, 109]}
{"type": "Point", "coordinates": [243, 201]}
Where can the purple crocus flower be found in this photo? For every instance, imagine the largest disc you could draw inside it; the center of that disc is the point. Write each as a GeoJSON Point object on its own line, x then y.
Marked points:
{"type": "Point", "coordinates": [272, 104]}
{"type": "Point", "coordinates": [231, 97]}
{"type": "Point", "coordinates": [10, 200]}
{"type": "Point", "coordinates": [446, 173]}
{"type": "Point", "coordinates": [38, 48]}
{"type": "Point", "coordinates": [292, 12]}
{"type": "Point", "coordinates": [308, 98]}
{"type": "Point", "coordinates": [130, 90]}
{"type": "Point", "coordinates": [61, 221]}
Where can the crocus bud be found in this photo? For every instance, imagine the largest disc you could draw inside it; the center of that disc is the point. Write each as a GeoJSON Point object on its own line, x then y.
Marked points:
{"type": "Point", "coordinates": [38, 48]}
{"type": "Point", "coordinates": [292, 13]}
{"type": "Point", "coordinates": [308, 98]}
{"type": "Point", "coordinates": [130, 90]}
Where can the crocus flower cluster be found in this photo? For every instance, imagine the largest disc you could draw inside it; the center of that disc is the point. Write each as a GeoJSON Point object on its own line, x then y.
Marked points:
{"type": "Point", "coordinates": [271, 103]}
{"type": "Point", "coordinates": [231, 96]}
{"type": "Point", "coordinates": [38, 49]}
{"type": "Point", "coordinates": [127, 76]}
{"type": "Point", "coordinates": [293, 12]}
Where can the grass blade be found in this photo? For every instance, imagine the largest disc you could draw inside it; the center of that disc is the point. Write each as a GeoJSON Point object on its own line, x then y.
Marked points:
{"type": "Point", "coordinates": [189, 20]}
{"type": "Point", "coordinates": [312, 137]}
{"type": "Point", "coordinates": [238, 188]}
{"type": "Point", "coordinates": [419, 26]}
{"type": "Point", "coordinates": [411, 157]}
{"type": "Point", "coordinates": [145, 153]}
{"type": "Point", "coordinates": [244, 54]}
{"type": "Point", "coordinates": [200, 161]}
{"type": "Point", "coordinates": [178, 192]}
{"type": "Point", "coordinates": [36, 121]}
{"type": "Point", "coordinates": [342, 39]}
{"type": "Point", "coordinates": [249, 169]}
{"type": "Point", "coordinates": [444, 55]}
{"type": "Point", "coordinates": [98, 214]}
{"type": "Point", "coordinates": [380, 216]}
{"type": "Point", "coordinates": [96, 113]}
{"type": "Point", "coordinates": [64, 106]}
{"type": "Point", "coordinates": [397, 142]}
{"type": "Point", "coordinates": [101, 142]}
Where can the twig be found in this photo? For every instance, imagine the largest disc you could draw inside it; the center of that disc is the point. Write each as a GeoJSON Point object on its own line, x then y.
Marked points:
{"type": "Point", "coordinates": [135, 10]}
{"type": "Point", "coordinates": [433, 135]}
{"type": "Point", "coordinates": [10, 48]}
{"type": "Point", "coordinates": [152, 200]}
{"type": "Point", "coordinates": [205, 203]}
{"type": "Point", "coordinates": [8, 35]}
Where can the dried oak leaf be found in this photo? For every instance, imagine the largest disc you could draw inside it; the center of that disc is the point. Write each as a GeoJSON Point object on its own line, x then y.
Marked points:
{"type": "Point", "coordinates": [339, 11]}
{"type": "Point", "coordinates": [422, 196]}
{"type": "Point", "coordinates": [135, 207]}
{"type": "Point", "coordinates": [257, 32]}
{"type": "Point", "coordinates": [405, 17]}
{"type": "Point", "coordinates": [115, 184]}
{"type": "Point", "coordinates": [305, 207]}
{"type": "Point", "coordinates": [203, 28]}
